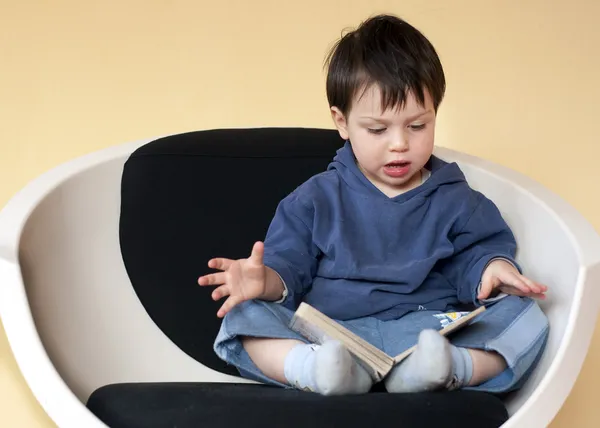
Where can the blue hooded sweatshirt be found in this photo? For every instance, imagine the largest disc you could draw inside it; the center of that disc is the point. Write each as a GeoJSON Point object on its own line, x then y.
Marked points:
{"type": "Point", "coordinates": [347, 249]}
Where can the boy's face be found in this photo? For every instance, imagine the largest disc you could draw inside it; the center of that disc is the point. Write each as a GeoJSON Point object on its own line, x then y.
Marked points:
{"type": "Point", "coordinates": [391, 147]}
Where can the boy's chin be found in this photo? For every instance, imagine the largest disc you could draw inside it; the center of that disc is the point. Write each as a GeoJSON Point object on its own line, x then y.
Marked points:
{"type": "Point", "coordinates": [403, 183]}
{"type": "Point", "coordinates": [412, 176]}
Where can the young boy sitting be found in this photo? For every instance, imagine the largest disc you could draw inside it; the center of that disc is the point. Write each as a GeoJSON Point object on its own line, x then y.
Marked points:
{"type": "Point", "coordinates": [385, 241]}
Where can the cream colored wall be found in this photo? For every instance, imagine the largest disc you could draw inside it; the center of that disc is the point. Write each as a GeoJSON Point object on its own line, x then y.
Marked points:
{"type": "Point", "coordinates": [79, 76]}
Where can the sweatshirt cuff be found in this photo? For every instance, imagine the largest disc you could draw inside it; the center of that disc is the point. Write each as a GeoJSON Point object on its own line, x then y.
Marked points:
{"type": "Point", "coordinates": [285, 289]}
{"type": "Point", "coordinates": [286, 275]}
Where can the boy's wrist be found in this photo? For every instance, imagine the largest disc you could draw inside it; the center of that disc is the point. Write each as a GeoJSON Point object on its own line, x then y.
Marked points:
{"type": "Point", "coordinates": [275, 289]}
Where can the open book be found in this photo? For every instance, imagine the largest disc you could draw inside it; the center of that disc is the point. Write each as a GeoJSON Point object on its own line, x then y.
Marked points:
{"type": "Point", "coordinates": [318, 328]}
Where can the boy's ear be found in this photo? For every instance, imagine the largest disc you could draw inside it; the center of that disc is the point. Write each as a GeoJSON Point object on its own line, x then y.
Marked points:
{"type": "Point", "coordinates": [340, 122]}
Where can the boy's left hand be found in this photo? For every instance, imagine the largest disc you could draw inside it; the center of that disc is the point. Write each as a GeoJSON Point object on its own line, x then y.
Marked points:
{"type": "Point", "coordinates": [503, 276]}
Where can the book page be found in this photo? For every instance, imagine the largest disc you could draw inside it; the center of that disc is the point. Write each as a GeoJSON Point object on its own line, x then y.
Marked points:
{"type": "Point", "coordinates": [318, 328]}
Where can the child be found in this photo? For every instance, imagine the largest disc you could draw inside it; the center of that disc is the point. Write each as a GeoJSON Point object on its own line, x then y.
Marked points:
{"type": "Point", "coordinates": [385, 241]}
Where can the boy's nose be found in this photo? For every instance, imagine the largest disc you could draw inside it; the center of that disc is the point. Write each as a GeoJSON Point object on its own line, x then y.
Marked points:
{"type": "Point", "coordinates": [399, 143]}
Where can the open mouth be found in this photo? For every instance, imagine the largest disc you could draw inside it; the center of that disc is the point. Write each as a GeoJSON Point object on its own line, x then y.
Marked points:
{"type": "Point", "coordinates": [397, 169]}
{"type": "Point", "coordinates": [401, 164]}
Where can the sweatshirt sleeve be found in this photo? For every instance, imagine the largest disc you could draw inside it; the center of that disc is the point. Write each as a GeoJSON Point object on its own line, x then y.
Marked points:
{"type": "Point", "coordinates": [290, 250]}
{"type": "Point", "coordinates": [485, 236]}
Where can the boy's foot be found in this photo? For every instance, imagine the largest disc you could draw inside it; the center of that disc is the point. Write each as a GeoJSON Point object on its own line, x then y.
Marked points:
{"type": "Point", "coordinates": [328, 369]}
{"type": "Point", "coordinates": [428, 368]}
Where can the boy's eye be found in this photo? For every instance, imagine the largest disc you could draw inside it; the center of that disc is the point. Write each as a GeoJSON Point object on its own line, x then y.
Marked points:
{"type": "Point", "coordinates": [377, 131]}
{"type": "Point", "coordinates": [417, 127]}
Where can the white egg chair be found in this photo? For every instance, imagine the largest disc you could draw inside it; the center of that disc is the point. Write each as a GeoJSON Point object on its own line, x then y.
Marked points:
{"type": "Point", "coordinates": [77, 322]}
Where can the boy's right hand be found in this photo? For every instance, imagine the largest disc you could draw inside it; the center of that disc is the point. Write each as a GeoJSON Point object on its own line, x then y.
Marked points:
{"type": "Point", "coordinates": [241, 280]}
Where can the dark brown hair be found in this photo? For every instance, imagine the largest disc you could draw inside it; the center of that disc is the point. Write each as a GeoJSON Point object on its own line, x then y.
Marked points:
{"type": "Point", "coordinates": [390, 53]}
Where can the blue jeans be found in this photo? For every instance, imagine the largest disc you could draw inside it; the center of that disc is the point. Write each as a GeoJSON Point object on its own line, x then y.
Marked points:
{"type": "Point", "coordinates": [515, 327]}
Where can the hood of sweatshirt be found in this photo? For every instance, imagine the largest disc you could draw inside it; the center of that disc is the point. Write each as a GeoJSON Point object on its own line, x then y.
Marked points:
{"type": "Point", "coordinates": [346, 166]}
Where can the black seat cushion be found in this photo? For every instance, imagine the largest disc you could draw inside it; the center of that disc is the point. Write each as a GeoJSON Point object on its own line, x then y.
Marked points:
{"type": "Point", "coordinates": [190, 197]}
{"type": "Point", "coordinates": [213, 405]}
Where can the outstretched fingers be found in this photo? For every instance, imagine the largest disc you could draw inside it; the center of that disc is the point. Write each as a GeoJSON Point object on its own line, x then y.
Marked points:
{"type": "Point", "coordinates": [220, 292]}
{"type": "Point", "coordinates": [535, 287]}
{"type": "Point", "coordinates": [228, 305]}
{"type": "Point", "coordinates": [517, 282]}
{"type": "Point", "coordinates": [520, 285]}
{"type": "Point", "coordinates": [220, 263]}
{"type": "Point", "coordinates": [213, 279]}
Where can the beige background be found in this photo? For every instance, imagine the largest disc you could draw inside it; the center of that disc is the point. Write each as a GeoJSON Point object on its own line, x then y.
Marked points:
{"type": "Point", "coordinates": [77, 76]}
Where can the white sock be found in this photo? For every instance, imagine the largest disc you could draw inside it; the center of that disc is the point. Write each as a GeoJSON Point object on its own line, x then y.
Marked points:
{"type": "Point", "coordinates": [462, 367]}
{"type": "Point", "coordinates": [328, 369]}
{"type": "Point", "coordinates": [428, 368]}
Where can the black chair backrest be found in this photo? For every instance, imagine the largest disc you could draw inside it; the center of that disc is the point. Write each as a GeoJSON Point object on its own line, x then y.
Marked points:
{"type": "Point", "coordinates": [187, 198]}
